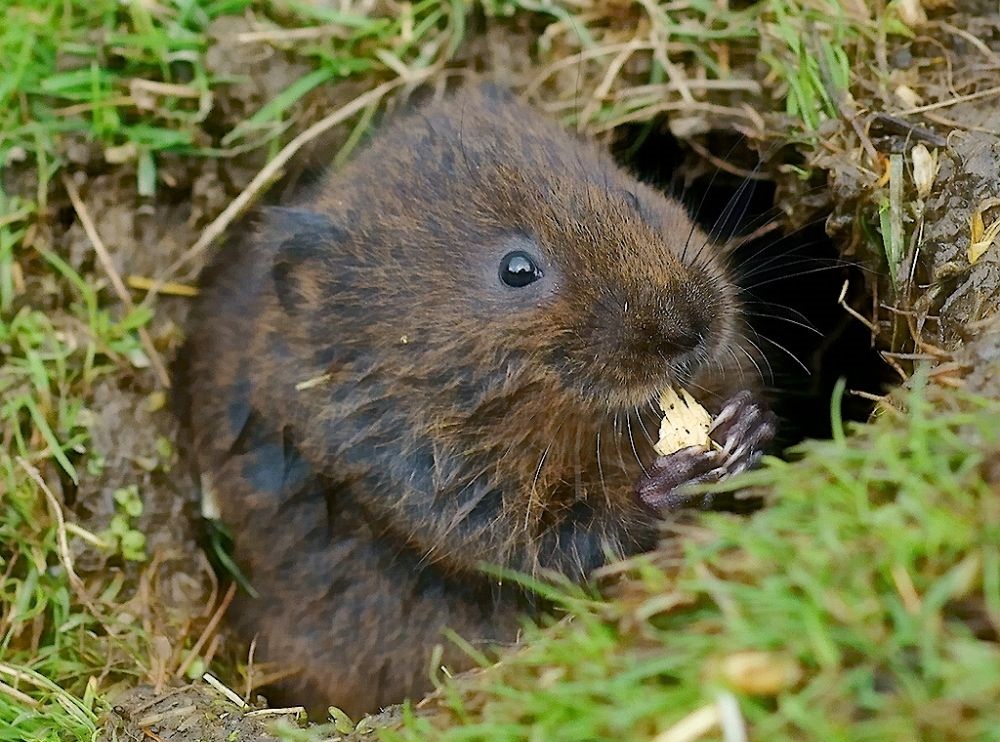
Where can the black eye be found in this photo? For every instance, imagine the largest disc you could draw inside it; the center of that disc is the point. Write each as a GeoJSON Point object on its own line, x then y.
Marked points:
{"type": "Point", "coordinates": [518, 269]}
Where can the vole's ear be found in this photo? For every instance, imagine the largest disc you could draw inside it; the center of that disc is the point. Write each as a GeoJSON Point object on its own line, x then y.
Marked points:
{"type": "Point", "coordinates": [301, 240]}
{"type": "Point", "coordinates": [291, 221]}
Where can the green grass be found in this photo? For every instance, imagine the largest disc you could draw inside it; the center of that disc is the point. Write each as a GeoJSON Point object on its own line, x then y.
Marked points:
{"type": "Point", "coordinates": [806, 49]}
{"type": "Point", "coordinates": [134, 77]}
{"type": "Point", "coordinates": [50, 713]}
{"type": "Point", "coordinates": [811, 47]}
{"type": "Point", "coordinates": [853, 581]}
{"type": "Point", "coordinates": [67, 69]}
{"type": "Point", "coordinates": [132, 80]}
{"type": "Point", "coordinates": [54, 645]}
{"type": "Point", "coordinates": [134, 84]}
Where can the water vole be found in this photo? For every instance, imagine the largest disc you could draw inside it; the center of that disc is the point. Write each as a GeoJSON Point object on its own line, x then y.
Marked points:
{"type": "Point", "coordinates": [446, 355]}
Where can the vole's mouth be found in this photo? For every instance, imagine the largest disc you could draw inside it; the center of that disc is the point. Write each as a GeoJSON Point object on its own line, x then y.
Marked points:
{"type": "Point", "coordinates": [638, 390]}
{"type": "Point", "coordinates": [640, 382]}
{"type": "Point", "coordinates": [618, 382]}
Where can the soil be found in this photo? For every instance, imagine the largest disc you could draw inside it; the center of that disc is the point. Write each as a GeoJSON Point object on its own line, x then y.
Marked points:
{"type": "Point", "coordinates": [942, 296]}
{"type": "Point", "coordinates": [182, 714]}
{"type": "Point", "coordinates": [942, 304]}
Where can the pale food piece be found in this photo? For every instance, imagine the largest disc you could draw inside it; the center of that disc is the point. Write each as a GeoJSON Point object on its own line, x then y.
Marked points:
{"type": "Point", "coordinates": [685, 423]}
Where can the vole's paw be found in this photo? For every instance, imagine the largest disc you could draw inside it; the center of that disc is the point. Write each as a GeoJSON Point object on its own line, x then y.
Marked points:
{"type": "Point", "coordinates": [665, 486]}
{"type": "Point", "coordinates": [742, 430]}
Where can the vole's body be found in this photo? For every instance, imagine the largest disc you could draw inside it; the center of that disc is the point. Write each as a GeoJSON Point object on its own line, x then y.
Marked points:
{"type": "Point", "coordinates": [379, 413]}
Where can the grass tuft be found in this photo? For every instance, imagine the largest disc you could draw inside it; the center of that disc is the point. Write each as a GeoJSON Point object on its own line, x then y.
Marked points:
{"type": "Point", "coordinates": [862, 604]}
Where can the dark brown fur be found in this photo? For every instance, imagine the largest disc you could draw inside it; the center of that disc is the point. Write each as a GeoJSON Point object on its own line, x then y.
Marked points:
{"type": "Point", "coordinates": [445, 419]}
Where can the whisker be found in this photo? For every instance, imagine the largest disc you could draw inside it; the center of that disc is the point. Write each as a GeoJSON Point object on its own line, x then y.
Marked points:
{"type": "Point", "coordinates": [766, 219]}
{"type": "Point", "coordinates": [635, 451]}
{"type": "Point", "coordinates": [786, 351]}
{"type": "Point", "coordinates": [791, 310]}
{"type": "Point", "coordinates": [779, 318]}
{"type": "Point", "coordinates": [781, 264]}
{"type": "Point", "coordinates": [532, 495]}
{"type": "Point", "coordinates": [642, 424]}
{"type": "Point", "coordinates": [738, 365]}
{"type": "Point", "coordinates": [577, 464]}
{"type": "Point", "coordinates": [618, 443]}
{"type": "Point", "coordinates": [541, 461]}
{"type": "Point", "coordinates": [654, 407]}
{"type": "Point", "coordinates": [798, 274]}
{"type": "Point", "coordinates": [600, 466]}
{"type": "Point", "coordinates": [763, 356]}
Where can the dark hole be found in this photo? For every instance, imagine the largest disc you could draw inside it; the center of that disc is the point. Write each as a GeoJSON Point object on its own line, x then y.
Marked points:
{"type": "Point", "coordinates": [66, 216]}
{"type": "Point", "coordinates": [792, 280]}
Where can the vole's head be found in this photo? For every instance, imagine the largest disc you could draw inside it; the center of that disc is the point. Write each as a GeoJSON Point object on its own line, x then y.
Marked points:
{"type": "Point", "coordinates": [612, 290]}
{"type": "Point", "coordinates": [477, 249]}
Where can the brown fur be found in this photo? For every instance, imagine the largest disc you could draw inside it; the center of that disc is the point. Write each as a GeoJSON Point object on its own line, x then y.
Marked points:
{"type": "Point", "coordinates": [447, 420]}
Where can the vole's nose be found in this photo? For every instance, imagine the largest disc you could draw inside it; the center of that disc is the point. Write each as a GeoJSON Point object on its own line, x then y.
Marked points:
{"type": "Point", "coordinates": [682, 335]}
{"type": "Point", "coordinates": [671, 332]}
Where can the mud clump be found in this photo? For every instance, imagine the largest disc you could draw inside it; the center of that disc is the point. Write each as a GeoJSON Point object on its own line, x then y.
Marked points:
{"type": "Point", "coordinates": [962, 293]}
{"type": "Point", "coordinates": [191, 713]}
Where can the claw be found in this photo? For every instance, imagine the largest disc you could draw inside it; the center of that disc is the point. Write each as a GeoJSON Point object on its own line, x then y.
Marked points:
{"type": "Point", "coordinates": [743, 428]}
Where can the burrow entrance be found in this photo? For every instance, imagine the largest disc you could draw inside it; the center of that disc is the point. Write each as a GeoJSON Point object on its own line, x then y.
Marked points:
{"type": "Point", "coordinates": [791, 280]}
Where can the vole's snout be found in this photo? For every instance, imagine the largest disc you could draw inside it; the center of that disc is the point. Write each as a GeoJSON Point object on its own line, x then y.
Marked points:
{"type": "Point", "coordinates": [674, 335]}
{"type": "Point", "coordinates": [654, 338]}
{"type": "Point", "coordinates": [666, 328]}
